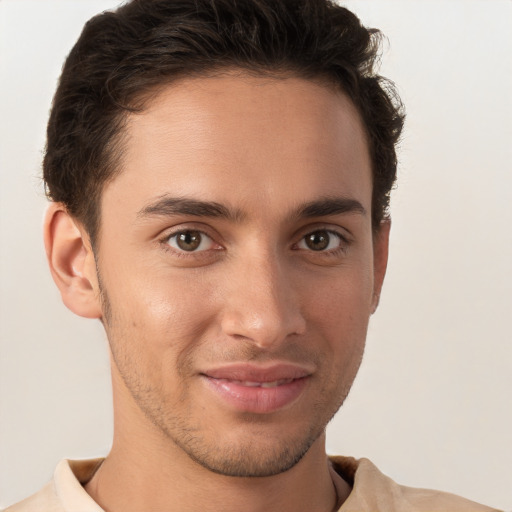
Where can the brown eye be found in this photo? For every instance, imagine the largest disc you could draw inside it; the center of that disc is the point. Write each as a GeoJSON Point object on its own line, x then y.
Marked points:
{"type": "Point", "coordinates": [321, 240]}
{"type": "Point", "coordinates": [190, 241]}
{"type": "Point", "coordinates": [317, 241]}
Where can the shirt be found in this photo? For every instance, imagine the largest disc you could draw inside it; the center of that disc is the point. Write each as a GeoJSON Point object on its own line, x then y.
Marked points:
{"type": "Point", "coordinates": [372, 491]}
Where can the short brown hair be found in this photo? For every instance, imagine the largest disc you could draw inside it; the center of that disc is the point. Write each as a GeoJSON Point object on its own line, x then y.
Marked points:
{"type": "Point", "coordinates": [123, 54]}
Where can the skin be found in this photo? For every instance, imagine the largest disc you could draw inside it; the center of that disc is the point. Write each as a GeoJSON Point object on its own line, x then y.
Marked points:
{"type": "Point", "coordinates": [252, 291]}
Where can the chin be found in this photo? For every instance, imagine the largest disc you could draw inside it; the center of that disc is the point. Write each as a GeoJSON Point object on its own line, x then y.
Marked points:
{"type": "Point", "coordinates": [243, 463]}
{"type": "Point", "coordinates": [260, 455]}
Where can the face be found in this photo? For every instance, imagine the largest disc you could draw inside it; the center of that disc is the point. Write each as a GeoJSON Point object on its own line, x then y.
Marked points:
{"type": "Point", "coordinates": [237, 266]}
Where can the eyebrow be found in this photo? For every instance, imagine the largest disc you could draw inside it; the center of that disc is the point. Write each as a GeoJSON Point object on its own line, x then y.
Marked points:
{"type": "Point", "coordinates": [331, 206]}
{"type": "Point", "coordinates": [167, 206]}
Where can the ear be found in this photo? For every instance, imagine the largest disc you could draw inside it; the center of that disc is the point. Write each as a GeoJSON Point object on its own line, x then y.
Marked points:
{"type": "Point", "coordinates": [71, 261]}
{"type": "Point", "coordinates": [380, 259]}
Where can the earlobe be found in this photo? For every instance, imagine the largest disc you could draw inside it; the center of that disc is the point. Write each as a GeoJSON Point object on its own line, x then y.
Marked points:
{"type": "Point", "coordinates": [380, 259]}
{"type": "Point", "coordinates": [71, 261]}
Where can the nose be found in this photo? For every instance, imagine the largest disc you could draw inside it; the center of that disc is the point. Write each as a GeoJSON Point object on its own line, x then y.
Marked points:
{"type": "Point", "coordinates": [261, 304]}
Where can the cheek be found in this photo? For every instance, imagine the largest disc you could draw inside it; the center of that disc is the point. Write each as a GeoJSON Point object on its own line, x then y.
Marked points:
{"type": "Point", "coordinates": [154, 331]}
{"type": "Point", "coordinates": [340, 310]}
{"type": "Point", "coordinates": [345, 294]}
{"type": "Point", "coordinates": [159, 315]}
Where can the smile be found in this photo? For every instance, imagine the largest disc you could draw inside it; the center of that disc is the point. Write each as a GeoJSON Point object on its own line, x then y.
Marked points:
{"type": "Point", "coordinates": [271, 384]}
{"type": "Point", "coordinates": [248, 388]}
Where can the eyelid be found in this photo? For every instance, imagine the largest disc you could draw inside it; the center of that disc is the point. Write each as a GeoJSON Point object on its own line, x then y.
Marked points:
{"type": "Point", "coordinates": [330, 232]}
{"type": "Point", "coordinates": [205, 240]}
{"type": "Point", "coordinates": [169, 233]}
{"type": "Point", "coordinates": [336, 229]}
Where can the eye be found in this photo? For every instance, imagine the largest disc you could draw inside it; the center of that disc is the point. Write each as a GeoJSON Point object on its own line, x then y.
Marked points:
{"type": "Point", "coordinates": [321, 240]}
{"type": "Point", "coordinates": [190, 241]}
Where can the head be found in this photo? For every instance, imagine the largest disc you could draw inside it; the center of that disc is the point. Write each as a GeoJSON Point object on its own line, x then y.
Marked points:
{"type": "Point", "coordinates": [123, 57]}
{"type": "Point", "coordinates": [220, 175]}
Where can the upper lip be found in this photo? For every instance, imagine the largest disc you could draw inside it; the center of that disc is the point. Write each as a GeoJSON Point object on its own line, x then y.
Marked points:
{"type": "Point", "coordinates": [259, 373]}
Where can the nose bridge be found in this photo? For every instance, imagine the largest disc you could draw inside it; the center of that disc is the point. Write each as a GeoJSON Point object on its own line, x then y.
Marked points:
{"type": "Point", "coordinates": [262, 306]}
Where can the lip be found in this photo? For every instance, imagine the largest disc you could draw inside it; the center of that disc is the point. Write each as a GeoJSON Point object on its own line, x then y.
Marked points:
{"type": "Point", "coordinates": [258, 389]}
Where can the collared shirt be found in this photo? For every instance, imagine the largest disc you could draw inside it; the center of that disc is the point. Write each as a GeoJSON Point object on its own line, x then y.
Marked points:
{"type": "Point", "coordinates": [372, 491]}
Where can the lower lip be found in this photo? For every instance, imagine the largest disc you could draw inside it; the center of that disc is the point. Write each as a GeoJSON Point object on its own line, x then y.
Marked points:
{"type": "Point", "coordinates": [256, 399]}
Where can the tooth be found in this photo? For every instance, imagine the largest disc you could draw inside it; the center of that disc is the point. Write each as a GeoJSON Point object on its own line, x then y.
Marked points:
{"type": "Point", "coordinates": [250, 384]}
{"type": "Point", "coordinates": [272, 384]}
{"type": "Point", "coordinates": [269, 384]}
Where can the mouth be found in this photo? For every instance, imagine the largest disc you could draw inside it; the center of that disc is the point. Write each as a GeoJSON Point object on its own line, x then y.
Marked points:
{"type": "Point", "coordinates": [252, 384]}
{"type": "Point", "coordinates": [255, 389]}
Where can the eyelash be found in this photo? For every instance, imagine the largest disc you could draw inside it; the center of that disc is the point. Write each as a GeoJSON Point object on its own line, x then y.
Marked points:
{"type": "Point", "coordinates": [164, 241]}
{"type": "Point", "coordinates": [344, 243]}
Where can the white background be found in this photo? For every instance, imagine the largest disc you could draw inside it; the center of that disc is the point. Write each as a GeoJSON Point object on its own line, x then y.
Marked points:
{"type": "Point", "coordinates": [432, 403]}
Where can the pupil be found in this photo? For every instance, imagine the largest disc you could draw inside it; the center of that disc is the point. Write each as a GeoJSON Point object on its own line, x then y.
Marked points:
{"type": "Point", "coordinates": [189, 240]}
{"type": "Point", "coordinates": [318, 241]}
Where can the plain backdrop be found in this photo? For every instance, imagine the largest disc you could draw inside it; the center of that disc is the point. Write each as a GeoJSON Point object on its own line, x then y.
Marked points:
{"type": "Point", "coordinates": [432, 403]}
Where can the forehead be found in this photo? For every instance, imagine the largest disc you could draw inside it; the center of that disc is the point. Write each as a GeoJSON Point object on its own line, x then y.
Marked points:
{"type": "Point", "coordinates": [243, 139]}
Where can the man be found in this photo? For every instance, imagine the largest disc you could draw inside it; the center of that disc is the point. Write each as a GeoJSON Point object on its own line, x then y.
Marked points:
{"type": "Point", "coordinates": [220, 176]}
